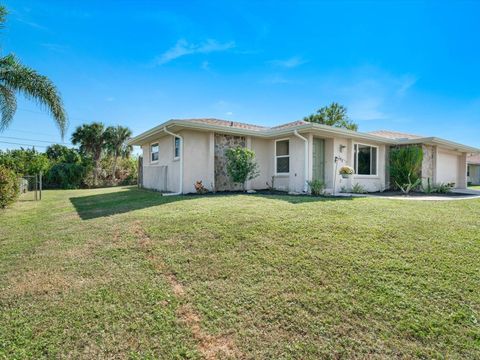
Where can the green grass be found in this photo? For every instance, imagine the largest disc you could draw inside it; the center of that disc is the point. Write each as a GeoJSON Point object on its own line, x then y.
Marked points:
{"type": "Point", "coordinates": [474, 187]}
{"type": "Point", "coordinates": [125, 273]}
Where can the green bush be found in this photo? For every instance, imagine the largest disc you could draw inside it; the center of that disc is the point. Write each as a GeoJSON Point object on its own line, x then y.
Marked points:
{"type": "Point", "coordinates": [317, 187]}
{"type": "Point", "coordinates": [25, 161]}
{"type": "Point", "coordinates": [443, 188]}
{"type": "Point", "coordinates": [241, 165]}
{"type": "Point", "coordinates": [406, 167]}
{"type": "Point", "coordinates": [9, 189]}
{"type": "Point", "coordinates": [65, 176]}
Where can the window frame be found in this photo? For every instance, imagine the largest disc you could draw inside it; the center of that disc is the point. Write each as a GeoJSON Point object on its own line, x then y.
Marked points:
{"type": "Point", "coordinates": [175, 158]}
{"type": "Point", "coordinates": [151, 153]}
{"type": "Point", "coordinates": [282, 156]}
{"type": "Point", "coordinates": [355, 161]}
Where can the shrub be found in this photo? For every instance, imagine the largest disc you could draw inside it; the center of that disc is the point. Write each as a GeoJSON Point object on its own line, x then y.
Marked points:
{"type": "Point", "coordinates": [9, 187]}
{"type": "Point", "coordinates": [271, 187]}
{"type": "Point", "coordinates": [317, 187]}
{"type": "Point", "coordinates": [358, 189]}
{"type": "Point", "coordinates": [65, 176]}
{"type": "Point", "coordinates": [443, 188]}
{"type": "Point", "coordinates": [241, 165]}
{"type": "Point", "coordinates": [405, 167]}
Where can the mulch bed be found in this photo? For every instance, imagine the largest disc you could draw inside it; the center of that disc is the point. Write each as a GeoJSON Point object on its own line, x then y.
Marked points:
{"type": "Point", "coordinates": [419, 194]}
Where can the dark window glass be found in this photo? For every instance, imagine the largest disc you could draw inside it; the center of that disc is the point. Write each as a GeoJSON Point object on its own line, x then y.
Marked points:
{"type": "Point", "coordinates": [177, 147]}
{"type": "Point", "coordinates": [154, 152]}
{"type": "Point", "coordinates": [365, 160]}
{"type": "Point", "coordinates": [283, 165]}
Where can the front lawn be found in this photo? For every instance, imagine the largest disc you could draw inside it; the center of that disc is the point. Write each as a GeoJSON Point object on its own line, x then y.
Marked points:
{"type": "Point", "coordinates": [126, 273]}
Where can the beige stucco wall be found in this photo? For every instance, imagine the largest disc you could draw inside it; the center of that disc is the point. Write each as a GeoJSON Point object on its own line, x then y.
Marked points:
{"type": "Point", "coordinates": [198, 160]}
{"type": "Point", "coordinates": [264, 158]}
{"type": "Point", "coordinates": [199, 163]}
{"type": "Point", "coordinates": [152, 171]}
{"type": "Point", "coordinates": [333, 149]}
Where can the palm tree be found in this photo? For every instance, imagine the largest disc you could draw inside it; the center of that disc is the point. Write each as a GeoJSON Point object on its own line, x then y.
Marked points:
{"type": "Point", "coordinates": [116, 138]}
{"type": "Point", "coordinates": [91, 138]}
{"type": "Point", "coordinates": [18, 78]}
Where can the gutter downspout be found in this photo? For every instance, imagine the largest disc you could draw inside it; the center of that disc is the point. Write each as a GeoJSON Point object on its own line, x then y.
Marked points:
{"type": "Point", "coordinates": [180, 187]}
{"type": "Point", "coordinates": [305, 185]}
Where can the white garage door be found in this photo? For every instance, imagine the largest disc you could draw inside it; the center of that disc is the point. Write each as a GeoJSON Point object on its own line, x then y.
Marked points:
{"type": "Point", "coordinates": [448, 165]}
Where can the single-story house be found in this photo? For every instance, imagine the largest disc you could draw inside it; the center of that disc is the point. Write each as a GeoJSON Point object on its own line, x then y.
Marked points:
{"type": "Point", "coordinates": [473, 170]}
{"type": "Point", "coordinates": [178, 153]}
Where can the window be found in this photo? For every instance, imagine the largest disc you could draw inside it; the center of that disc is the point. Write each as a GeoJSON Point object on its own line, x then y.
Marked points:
{"type": "Point", "coordinates": [154, 149]}
{"type": "Point", "coordinates": [365, 159]}
{"type": "Point", "coordinates": [282, 156]}
{"type": "Point", "coordinates": [176, 148]}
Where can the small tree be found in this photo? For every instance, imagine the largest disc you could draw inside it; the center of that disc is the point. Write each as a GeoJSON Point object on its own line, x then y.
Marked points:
{"type": "Point", "coordinates": [241, 165]}
{"type": "Point", "coordinates": [332, 115]}
{"type": "Point", "coordinates": [406, 167]}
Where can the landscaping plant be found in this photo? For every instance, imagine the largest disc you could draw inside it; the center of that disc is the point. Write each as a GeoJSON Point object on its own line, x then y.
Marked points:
{"type": "Point", "coordinates": [317, 187]}
{"type": "Point", "coordinates": [358, 189]}
{"type": "Point", "coordinates": [444, 188]}
{"type": "Point", "coordinates": [405, 167]}
{"type": "Point", "coordinates": [241, 165]}
{"type": "Point", "coordinates": [9, 187]}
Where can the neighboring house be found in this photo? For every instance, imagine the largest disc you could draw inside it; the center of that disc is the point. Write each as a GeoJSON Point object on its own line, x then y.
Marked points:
{"type": "Point", "coordinates": [178, 153]}
{"type": "Point", "coordinates": [473, 171]}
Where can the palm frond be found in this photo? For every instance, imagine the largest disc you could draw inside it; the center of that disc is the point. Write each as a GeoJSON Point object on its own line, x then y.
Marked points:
{"type": "Point", "coordinates": [8, 106]}
{"type": "Point", "coordinates": [33, 86]}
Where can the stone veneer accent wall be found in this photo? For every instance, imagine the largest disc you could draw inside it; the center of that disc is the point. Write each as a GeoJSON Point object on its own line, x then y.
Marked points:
{"type": "Point", "coordinates": [222, 143]}
{"type": "Point", "coordinates": [428, 164]}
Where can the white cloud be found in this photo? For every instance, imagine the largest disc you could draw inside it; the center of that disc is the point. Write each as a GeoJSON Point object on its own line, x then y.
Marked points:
{"type": "Point", "coordinates": [289, 63]}
{"type": "Point", "coordinates": [406, 83]}
{"type": "Point", "coordinates": [274, 79]}
{"type": "Point", "coordinates": [183, 48]}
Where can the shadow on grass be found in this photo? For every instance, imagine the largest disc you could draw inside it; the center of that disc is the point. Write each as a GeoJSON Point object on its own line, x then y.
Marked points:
{"type": "Point", "coordinates": [130, 199]}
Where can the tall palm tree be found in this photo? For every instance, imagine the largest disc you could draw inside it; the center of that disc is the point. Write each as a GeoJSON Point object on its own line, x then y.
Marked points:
{"type": "Point", "coordinates": [91, 138]}
{"type": "Point", "coordinates": [18, 78]}
{"type": "Point", "coordinates": [116, 144]}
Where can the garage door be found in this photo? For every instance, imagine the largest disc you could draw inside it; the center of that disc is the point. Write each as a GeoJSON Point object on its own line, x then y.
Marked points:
{"type": "Point", "coordinates": [448, 165]}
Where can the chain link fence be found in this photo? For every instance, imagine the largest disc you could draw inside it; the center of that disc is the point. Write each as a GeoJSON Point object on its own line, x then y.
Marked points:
{"type": "Point", "coordinates": [31, 187]}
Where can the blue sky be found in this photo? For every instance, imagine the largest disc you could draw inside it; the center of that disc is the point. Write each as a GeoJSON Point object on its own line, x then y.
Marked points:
{"type": "Point", "coordinates": [406, 66]}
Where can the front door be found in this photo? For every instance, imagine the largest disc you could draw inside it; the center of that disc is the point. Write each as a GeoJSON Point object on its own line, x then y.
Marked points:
{"type": "Point", "coordinates": [318, 159]}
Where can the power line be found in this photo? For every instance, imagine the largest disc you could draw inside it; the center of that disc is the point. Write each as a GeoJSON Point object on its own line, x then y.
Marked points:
{"type": "Point", "coordinates": [14, 143]}
{"type": "Point", "coordinates": [28, 132]}
{"type": "Point", "coordinates": [42, 141]}
{"type": "Point", "coordinates": [45, 113]}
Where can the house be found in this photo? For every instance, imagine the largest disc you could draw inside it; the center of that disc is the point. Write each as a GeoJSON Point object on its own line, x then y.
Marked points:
{"type": "Point", "coordinates": [473, 170]}
{"type": "Point", "coordinates": [178, 153]}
